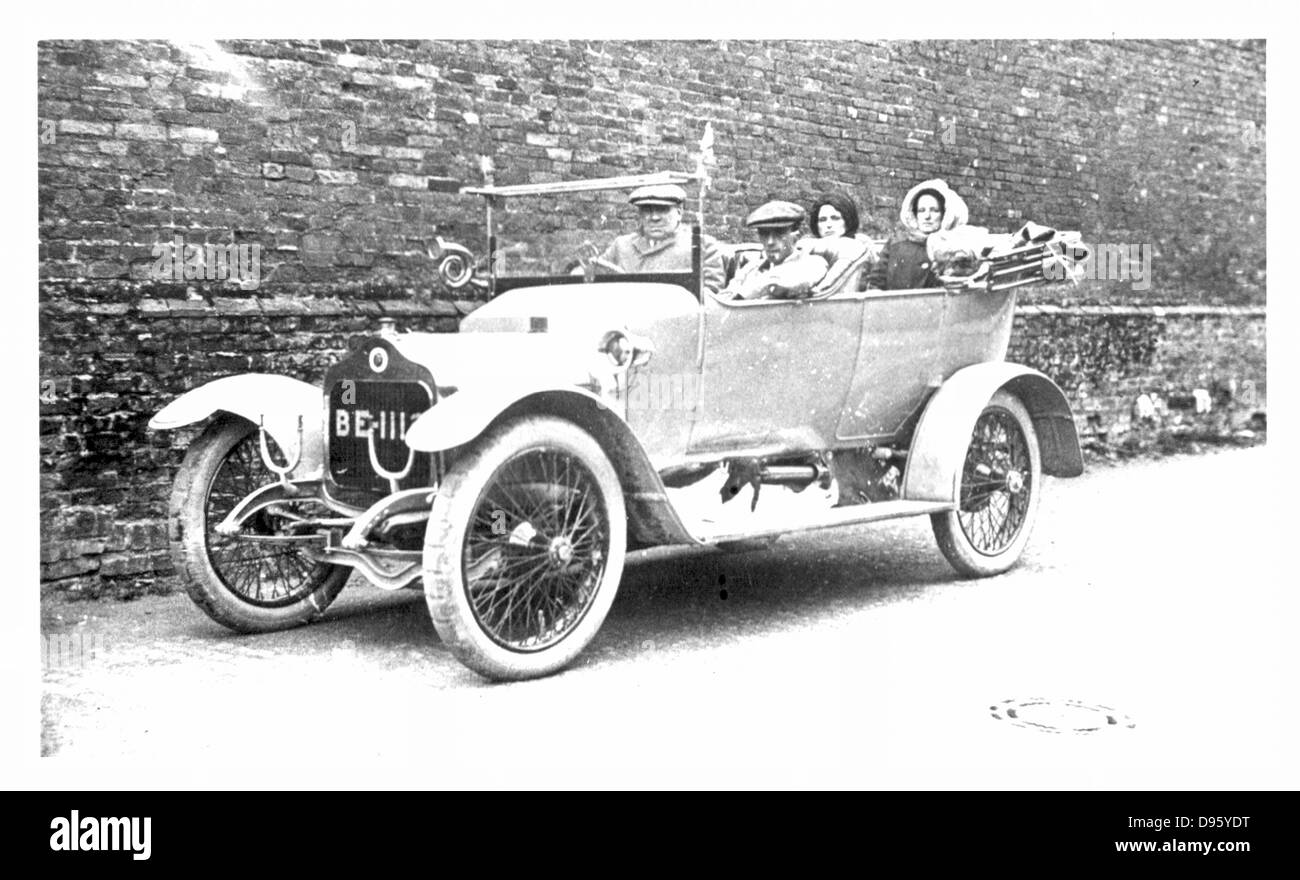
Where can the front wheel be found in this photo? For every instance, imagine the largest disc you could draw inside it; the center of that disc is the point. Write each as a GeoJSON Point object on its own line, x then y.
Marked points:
{"type": "Point", "coordinates": [524, 548]}
{"type": "Point", "coordinates": [262, 579]}
{"type": "Point", "coordinates": [1001, 482]}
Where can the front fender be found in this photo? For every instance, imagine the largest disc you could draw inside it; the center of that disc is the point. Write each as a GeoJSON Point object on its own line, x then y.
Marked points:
{"type": "Point", "coordinates": [934, 462]}
{"type": "Point", "coordinates": [652, 519]}
{"type": "Point", "coordinates": [460, 418]}
{"type": "Point", "coordinates": [276, 401]}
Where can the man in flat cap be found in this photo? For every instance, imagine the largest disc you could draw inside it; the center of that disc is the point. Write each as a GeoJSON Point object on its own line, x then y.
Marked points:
{"type": "Point", "coordinates": [663, 244]}
{"type": "Point", "coordinates": [785, 272]}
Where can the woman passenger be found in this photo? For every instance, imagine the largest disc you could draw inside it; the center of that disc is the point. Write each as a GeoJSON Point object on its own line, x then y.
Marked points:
{"type": "Point", "coordinates": [905, 265]}
{"type": "Point", "coordinates": [834, 218]}
{"type": "Point", "coordinates": [834, 215]}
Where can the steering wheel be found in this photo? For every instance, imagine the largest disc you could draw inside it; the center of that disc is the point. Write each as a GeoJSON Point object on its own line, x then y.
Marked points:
{"type": "Point", "coordinates": [606, 264]}
{"type": "Point", "coordinates": [588, 256]}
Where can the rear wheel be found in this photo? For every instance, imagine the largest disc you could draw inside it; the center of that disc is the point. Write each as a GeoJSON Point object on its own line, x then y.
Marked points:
{"type": "Point", "coordinates": [524, 549]}
{"type": "Point", "coordinates": [262, 579]}
{"type": "Point", "coordinates": [1000, 486]}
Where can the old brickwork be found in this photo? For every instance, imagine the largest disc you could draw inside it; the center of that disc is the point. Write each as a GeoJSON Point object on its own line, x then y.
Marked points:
{"type": "Point", "coordinates": [336, 159]}
{"type": "Point", "coordinates": [325, 154]}
{"type": "Point", "coordinates": [1107, 358]}
{"type": "Point", "coordinates": [105, 477]}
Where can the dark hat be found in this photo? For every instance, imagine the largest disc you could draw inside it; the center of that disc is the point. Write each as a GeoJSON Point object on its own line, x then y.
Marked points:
{"type": "Point", "coordinates": [660, 194]}
{"type": "Point", "coordinates": [775, 215]}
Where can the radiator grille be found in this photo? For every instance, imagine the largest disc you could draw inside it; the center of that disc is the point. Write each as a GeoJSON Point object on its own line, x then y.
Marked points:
{"type": "Point", "coordinates": [386, 409]}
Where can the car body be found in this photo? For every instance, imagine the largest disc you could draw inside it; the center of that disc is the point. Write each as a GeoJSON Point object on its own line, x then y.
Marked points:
{"type": "Point", "coordinates": [510, 466]}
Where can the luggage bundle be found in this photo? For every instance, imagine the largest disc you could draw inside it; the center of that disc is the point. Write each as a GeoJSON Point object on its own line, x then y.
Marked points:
{"type": "Point", "coordinates": [971, 256]}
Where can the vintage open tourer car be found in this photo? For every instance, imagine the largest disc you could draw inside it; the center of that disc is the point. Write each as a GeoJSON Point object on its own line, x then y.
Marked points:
{"type": "Point", "coordinates": [511, 466]}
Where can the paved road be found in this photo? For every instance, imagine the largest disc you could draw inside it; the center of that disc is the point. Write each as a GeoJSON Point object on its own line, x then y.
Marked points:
{"type": "Point", "coordinates": [1143, 642]}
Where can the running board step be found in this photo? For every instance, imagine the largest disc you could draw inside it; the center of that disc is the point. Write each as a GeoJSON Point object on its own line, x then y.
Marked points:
{"type": "Point", "coordinates": [804, 520]}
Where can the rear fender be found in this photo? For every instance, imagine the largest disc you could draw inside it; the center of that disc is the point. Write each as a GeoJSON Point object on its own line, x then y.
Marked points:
{"type": "Point", "coordinates": [460, 418]}
{"type": "Point", "coordinates": [934, 463]}
{"type": "Point", "coordinates": [275, 401]}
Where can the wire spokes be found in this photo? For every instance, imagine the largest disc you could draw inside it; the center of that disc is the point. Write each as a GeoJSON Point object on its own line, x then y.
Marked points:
{"type": "Point", "coordinates": [536, 549]}
{"type": "Point", "coordinates": [996, 482]}
{"type": "Point", "coordinates": [259, 572]}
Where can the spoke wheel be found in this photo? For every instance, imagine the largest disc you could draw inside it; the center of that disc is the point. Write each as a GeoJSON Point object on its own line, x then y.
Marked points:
{"type": "Point", "coordinates": [525, 548]}
{"type": "Point", "coordinates": [536, 550]}
{"type": "Point", "coordinates": [263, 578]}
{"type": "Point", "coordinates": [995, 484]}
{"type": "Point", "coordinates": [998, 497]}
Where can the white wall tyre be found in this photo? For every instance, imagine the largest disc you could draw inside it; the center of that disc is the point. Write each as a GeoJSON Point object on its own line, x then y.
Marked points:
{"type": "Point", "coordinates": [524, 548]}
{"type": "Point", "coordinates": [1001, 484]}
{"type": "Point", "coordinates": [262, 581]}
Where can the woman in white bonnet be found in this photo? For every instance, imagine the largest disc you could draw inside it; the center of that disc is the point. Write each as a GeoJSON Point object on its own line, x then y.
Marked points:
{"type": "Point", "coordinates": [929, 207]}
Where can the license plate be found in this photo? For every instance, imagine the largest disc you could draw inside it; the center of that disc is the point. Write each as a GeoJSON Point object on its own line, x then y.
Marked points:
{"type": "Point", "coordinates": [359, 410]}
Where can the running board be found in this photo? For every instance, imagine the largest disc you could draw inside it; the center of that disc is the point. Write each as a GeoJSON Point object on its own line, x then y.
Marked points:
{"type": "Point", "coordinates": [801, 521]}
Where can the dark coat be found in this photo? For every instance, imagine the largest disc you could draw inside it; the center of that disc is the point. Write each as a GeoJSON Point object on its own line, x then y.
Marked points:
{"type": "Point", "coordinates": [904, 265]}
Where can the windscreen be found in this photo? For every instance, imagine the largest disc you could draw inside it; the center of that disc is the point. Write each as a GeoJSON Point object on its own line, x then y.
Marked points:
{"type": "Point", "coordinates": [545, 235]}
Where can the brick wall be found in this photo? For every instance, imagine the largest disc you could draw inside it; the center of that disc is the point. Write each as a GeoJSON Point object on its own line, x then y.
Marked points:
{"type": "Point", "coordinates": [1140, 377]}
{"type": "Point", "coordinates": [325, 153]}
{"type": "Point", "coordinates": [334, 159]}
{"type": "Point", "coordinates": [105, 477]}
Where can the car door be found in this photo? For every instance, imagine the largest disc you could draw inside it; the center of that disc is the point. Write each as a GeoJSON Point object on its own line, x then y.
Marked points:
{"type": "Point", "coordinates": [775, 374]}
{"type": "Point", "coordinates": [898, 362]}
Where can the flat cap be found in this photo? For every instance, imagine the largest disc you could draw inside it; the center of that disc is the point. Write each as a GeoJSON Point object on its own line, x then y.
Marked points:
{"type": "Point", "coordinates": [775, 215]}
{"type": "Point", "coordinates": [660, 194]}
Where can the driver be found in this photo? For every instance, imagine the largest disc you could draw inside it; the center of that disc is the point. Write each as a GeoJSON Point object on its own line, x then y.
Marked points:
{"type": "Point", "coordinates": [662, 244]}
